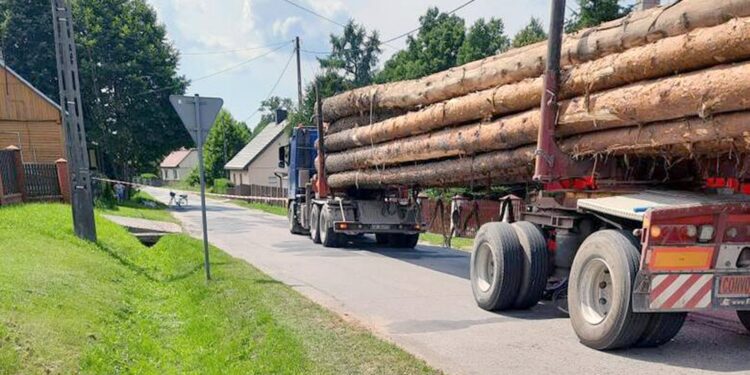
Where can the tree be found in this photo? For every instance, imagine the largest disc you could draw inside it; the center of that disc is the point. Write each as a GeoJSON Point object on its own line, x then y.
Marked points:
{"type": "Point", "coordinates": [226, 138]}
{"type": "Point", "coordinates": [354, 53]}
{"type": "Point", "coordinates": [435, 48]}
{"type": "Point", "coordinates": [127, 70]}
{"type": "Point", "coordinates": [483, 39]}
{"type": "Point", "coordinates": [594, 12]}
{"type": "Point", "coordinates": [532, 33]}
{"type": "Point", "coordinates": [28, 44]}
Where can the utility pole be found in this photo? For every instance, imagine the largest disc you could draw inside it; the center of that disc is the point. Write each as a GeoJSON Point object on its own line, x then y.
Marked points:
{"type": "Point", "coordinates": [82, 199]}
{"type": "Point", "coordinates": [299, 75]}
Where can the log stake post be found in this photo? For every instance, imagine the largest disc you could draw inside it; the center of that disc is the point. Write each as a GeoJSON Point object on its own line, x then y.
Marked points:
{"type": "Point", "coordinates": [322, 181]}
{"type": "Point", "coordinates": [550, 161]}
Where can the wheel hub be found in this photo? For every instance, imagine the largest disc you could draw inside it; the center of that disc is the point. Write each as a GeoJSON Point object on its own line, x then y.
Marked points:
{"type": "Point", "coordinates": [485, 268]}
{"type": "Point", "coordinates": [595, 291]}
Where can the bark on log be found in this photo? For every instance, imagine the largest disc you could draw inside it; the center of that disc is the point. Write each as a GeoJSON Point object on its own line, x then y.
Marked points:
{"type": "Point", "coordinates": [704, 93]}
{"type": "Point", "coordinates": [675, 138]}
{"type": "Point", "coordinates": [352, 122]}
{"type": "Point", "coordinates": [636, 29]}
{"type": "Point", "coordinates": [726, 43]}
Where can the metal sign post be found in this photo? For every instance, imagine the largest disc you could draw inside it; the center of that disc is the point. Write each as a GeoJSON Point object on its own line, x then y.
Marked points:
{"type": "Point", "coordinates": [198, 115]}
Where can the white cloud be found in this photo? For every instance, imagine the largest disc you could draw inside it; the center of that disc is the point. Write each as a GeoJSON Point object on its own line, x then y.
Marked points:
{"type": "Point", "coordinates": [282, 27]}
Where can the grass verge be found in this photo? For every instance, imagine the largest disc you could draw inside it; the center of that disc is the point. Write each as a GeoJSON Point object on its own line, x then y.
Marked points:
{"type": "Point", "coordinates": [69, 306]}
{"type": "Point", "coordinates": [458, 243]}
{"type": "Point", "coordinates": [142, 206]}
{"type": "Point", "coordinates": [268, 208]}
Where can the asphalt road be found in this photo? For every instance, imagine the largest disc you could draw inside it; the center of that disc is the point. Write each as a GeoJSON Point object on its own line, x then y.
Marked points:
{"type": "Point", "coordinates": [421, 300]}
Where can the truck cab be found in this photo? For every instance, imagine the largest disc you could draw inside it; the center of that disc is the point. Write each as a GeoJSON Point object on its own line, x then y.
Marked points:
{"type": "Point", "coordinates": [331, 218]}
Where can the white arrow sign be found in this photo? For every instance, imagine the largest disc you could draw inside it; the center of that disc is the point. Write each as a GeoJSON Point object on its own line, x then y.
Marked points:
{"type": "Point", "coordinates": [207, 108]}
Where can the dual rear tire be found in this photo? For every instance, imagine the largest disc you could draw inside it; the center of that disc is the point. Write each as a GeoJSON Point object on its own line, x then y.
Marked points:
{"type": "Point", "coordinates": [509, 269]}
{"type": "Point", "coordinates": [508, 266]}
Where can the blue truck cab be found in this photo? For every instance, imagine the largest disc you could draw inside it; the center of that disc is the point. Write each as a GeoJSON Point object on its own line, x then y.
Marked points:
{"type": "Point", "coordinates": [332, 220]}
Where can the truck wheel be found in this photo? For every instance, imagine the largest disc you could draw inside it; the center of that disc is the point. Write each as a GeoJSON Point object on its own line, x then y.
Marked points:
{"type": "Point", "coordinates": [404, 241]}
{"type": "Point", "coordinates": [294, 226]}
{"type": "Point", "coordinates": [744, 318]}
{"type": "Point", "coordinates": [600, 290]}
{"type": "Point", "coordinates": [382, 238]}
{"type": "Point", "coordinates": [496, 266]}
{"type": "Point", "coordinates": [661, 328]}
{"type": "Point", "coordinates": [315, 223]}
{"type": "Point", "coordinates": [328, 237]}
{"type": "Point", "coordinates": [535, 264]}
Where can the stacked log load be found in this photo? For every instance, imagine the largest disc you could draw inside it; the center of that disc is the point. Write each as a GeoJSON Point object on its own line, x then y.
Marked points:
{"type": "Point", "coordinates": [670, 81]}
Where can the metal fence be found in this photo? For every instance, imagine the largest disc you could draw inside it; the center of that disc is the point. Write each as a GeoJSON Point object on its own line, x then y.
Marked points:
{"type": "Point", "coordinates": [471, 215]}
{"type": "Point", "coordinates": [8, 174]}
{"type": "Point", "coordinates": [42, 182]}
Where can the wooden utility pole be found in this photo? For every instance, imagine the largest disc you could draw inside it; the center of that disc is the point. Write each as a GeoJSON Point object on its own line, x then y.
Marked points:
{"type": "Point", "coordinates": [300, 99]}
{"type": "Point", "coordinates": [82, 199]}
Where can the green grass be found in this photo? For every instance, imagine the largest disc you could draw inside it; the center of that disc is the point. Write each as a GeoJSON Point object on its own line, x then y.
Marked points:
{"type": "Point", "coordinates": [457, 243]}
{"type": "Point", "coordinates": [268, 208]}
{"type": "Point", "coordinates": [68, 306]}
{"type": "Point", "coordinates": [136, 207]}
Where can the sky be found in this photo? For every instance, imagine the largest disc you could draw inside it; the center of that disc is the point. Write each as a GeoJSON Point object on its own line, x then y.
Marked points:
{"type": "Point", "coordinates": [238, 49]}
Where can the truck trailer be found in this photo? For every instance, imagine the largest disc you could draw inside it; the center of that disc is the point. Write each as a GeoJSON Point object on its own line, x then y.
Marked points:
{"type": "Point", "coordinates": [634, 240]}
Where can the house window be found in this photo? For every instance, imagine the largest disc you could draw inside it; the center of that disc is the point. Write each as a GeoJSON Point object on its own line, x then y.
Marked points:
{"type": "Point", "coordinates": [174, 174]}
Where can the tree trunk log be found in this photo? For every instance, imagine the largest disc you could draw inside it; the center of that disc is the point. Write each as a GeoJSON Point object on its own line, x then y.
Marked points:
{"type": "Point", "coordinates": [686, 137]}
{"type": "Point", "coordinates": [721, 89]}
{"type": "Point", "coordinates": [726, 43]}
{"type": "Point", "coordinates": [636, 29]}
{"type": "Point", "coordinates": [352, 122]}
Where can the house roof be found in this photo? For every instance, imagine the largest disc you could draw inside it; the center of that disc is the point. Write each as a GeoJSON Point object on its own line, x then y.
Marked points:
{"type": "Point", "coordinates": [27, 83]}
{"type": "Point", "coordinates": [256, 146]}
{"type": "Point", "coordinates": [174, 159]}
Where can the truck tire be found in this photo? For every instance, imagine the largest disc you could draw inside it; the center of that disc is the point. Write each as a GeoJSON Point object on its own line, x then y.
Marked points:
{"type": "Point", "coordinates": [328, 237]}
{"type": "Point", "coordinates": [294, 226]}
{"type": "Point", "coordinates": [404, 241]}
{"type": "Point", "coordinates": [315, 223]}
{"type": "Point", "coordinates": [600, 292]}
{"type": "Point", "coordinates": [535, 264]}
{"type": "Point", "coordinates": [661, 328]}
{"type": "Point", "coordinates": [744, 318]}
{"type": "Point", "coordinates": [382, 238]}
{"type": "Point", "coordinates": [496, 266]}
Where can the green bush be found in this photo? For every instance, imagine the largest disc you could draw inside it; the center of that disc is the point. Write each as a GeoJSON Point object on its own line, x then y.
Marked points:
{"type": "Point", "coordinates": [221, 185]}
{"type": "Point", "coordinates": [106, 197]}
{"type": "Point", "coordinates": [149, 176]}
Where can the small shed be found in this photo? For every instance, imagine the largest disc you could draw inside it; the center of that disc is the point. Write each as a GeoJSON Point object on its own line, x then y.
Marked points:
{"type": "Point", "coordinates": [178, 164]}
{"type": "Point", "coordinates": [29, 120]}
{"type": "Point", "coordinates": [257, 164]}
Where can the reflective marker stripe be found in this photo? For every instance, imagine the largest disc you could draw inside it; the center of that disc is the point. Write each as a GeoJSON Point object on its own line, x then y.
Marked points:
{"type": "Point", "coordinates": [681, 291]}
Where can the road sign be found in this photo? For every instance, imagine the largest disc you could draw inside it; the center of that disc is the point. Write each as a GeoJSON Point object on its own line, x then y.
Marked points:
{"type": "Point", "coordinates": [208, 110]}
{"type": "Point", "coordinates": [198, 115]}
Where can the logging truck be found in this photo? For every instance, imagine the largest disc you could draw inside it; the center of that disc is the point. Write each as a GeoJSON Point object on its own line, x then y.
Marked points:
{"type": "Point", "coordinates": [330, 217]}
{"type": "Point", "coordinates": [636, 187]}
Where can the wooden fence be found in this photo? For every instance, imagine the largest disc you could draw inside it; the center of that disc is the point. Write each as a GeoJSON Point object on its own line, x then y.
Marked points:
{"type": "Point", "coordinates": [259, 191]}
{"type": "Point", "coordinates": [470, 217]}
{"type": "Point", "coordinates": [42, 182]}
{"type": "Point", "coordinates": [31, 182]}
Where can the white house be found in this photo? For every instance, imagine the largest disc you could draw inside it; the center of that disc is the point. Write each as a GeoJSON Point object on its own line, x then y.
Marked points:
{"type": "Point", "coordinates": [178, 164]}
{"type": "Point", "coordinates": [258, 162]}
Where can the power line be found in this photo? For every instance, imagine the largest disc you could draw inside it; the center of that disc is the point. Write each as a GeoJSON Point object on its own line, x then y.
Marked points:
{"type": "Point", "coordinates": [420, 28]}
{"type": "Point", "coordinates": [275, 85]}
{"type": "Point", "coordinates": [218, 72]}
{"type": "Point", "coordinates": [233, 50]}
{"type": "Point", "coordinates": [314, 13]}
